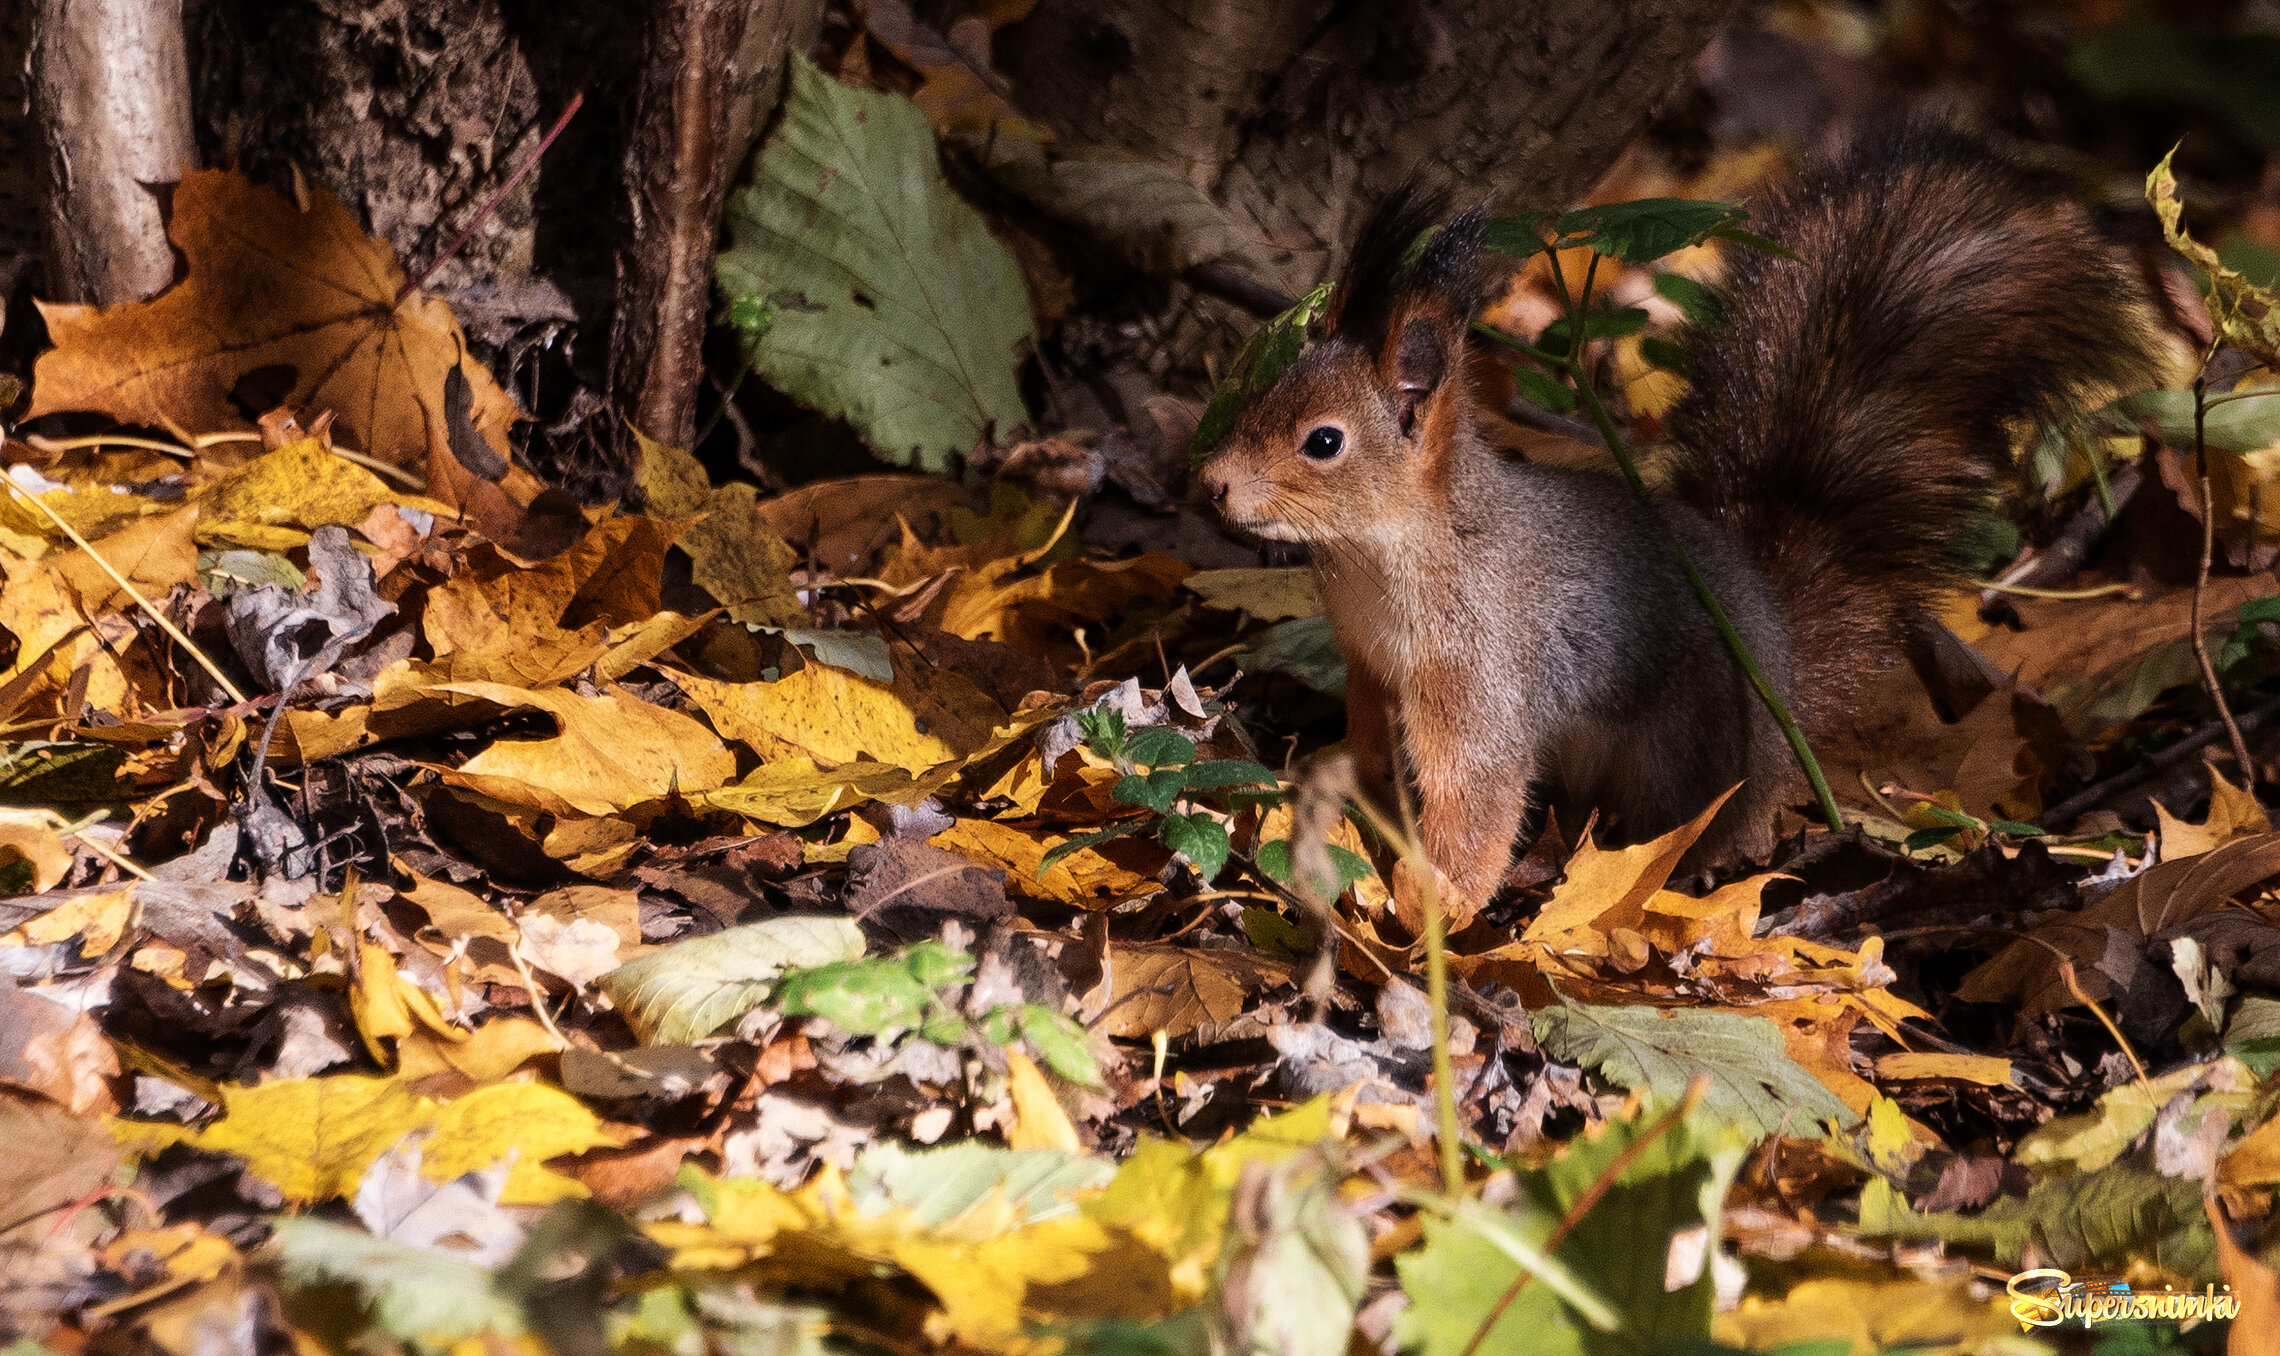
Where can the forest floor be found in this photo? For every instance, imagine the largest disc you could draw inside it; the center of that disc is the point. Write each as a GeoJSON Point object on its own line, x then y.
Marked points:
{"type": "Point", "coordinates": [900, 913]}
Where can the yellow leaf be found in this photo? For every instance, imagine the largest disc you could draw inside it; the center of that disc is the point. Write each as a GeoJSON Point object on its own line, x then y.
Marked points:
{"type": "Point", "coordinates": [1084, 878]}
{"type": "Point", "coordinates": [499, 621]}
{"type": "Point", "coordinates": [1609, 887]}
{"type": "Point", "coordinates": [1986, 1070]}
{"type": "Point", "coordinates": [2246, 315]}
{"type": "Point", "coordinates": [274, 501]}
{"type": "Point", "coordinates": [734, 554]}
{"type": "Point", "coordinates": [531, 1120]}
{"type": "Point", "coordinates": [490, 1053]}
{"type": "Point", "coordinates": [154, 553]}
{"type": "Point", "coordinates": [613, 752]}
{"type": "Point", "coordinates": [1874, 1316]}
{"type": "Point", "coordinates": [794, 792]}
{"type": "Point", "coordinates": [1038, 1120]}
{"type": "Point", "coordinates": [927, 717]}
{"type": "Point", "coordinates": [98, 920]}
{"type": "Point", "coordinates": [377, 1001]}
{"type": "Point", "coordinates": [2233, 813]}
{"type": "Point", "coordinates": [312, 1138]}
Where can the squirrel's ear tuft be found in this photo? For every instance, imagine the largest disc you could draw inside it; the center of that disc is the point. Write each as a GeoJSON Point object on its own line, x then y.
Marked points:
{"type": "Point", "coordinates": [1377, 272]}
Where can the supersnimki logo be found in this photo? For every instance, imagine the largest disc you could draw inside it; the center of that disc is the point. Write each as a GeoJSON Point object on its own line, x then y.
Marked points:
{"type": "Point", "coordinates": [2047, 1297]}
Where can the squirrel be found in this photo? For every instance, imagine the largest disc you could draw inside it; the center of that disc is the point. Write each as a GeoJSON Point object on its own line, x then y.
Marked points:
{"type": "Point", "coordinates": [1517, 633]}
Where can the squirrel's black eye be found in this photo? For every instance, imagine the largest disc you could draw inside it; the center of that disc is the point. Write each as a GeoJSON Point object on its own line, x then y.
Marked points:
{"type": "Point", "coordinates": [1323, 443]}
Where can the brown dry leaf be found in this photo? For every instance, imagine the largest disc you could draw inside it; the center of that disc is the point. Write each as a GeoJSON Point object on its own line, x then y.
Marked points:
{"type": "Point", "coordinates": [613, 753]}
{"type": "Point", "coordinates": [498, 621]}
{"type": "Point", "coordinates": [844, 524]}
{"type": "Point", "coordinates": [1084, 878]}
{"type": "Point", "coordinates": [272, 284]}
{"type": "Point", "coordinates": [1033, 613]}
{"type": "Point", "coordinates": [1175, 989]}
{"type": "Point", "coordinates": [2081, 654]}
{"type": "Point", "coordinates": [2159, 897]}
{"type": "Point", "coordinates": [927, 717]}
{"type": "Point", "coordinates": [2233, 813]}
{"type": "Point", "coordinates": [1987, 758]}
{"type": "Point", "coordinates": [959, 92]}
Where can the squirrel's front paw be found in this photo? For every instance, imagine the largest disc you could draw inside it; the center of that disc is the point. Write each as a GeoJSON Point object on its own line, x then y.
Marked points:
{"type": "Point", "coordinates": [1457, 906]}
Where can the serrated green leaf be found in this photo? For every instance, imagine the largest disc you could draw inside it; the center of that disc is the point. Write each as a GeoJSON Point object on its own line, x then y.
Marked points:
{"type": "Point", "coordinates": [1600, 322]}
{"type": "Point", "coordinates": [1154, 790]}
{"type": "Point", "coordinates": [1274, 859]}
{"type": "Point", "coordinates": [1199, 838]}
{"type": "Point", "coordinates": [1103, 729]}
{"type": "Point", "coordinates": [1519, 236]}
{"type": "Point", "coordinates": [417, 1295]}
{"type": "Point", "coordinates": [895, 308]}
{"type": "Point", "coordinates": [1159, 746]}
{"type": "Point", "coordinates": [1061, 1043]}
{"type": "Point", "coordinates": [686, 991]}
{"type": "Point", "coordinates": [1261, 359]}
{"type": "Point", "coordinates": [1664, 354]}
{"type": "Point", "coordinates": [1646, 229]}
{"type": "Point", "coordinates": [1541, 390]}
{"type": "Point", "coordinates": [861, 998]}
{"type": "Point", "coordinates": [1082, 841]}
{"type": "Point", "coordinates": [1697, 303]}
{"type": "Point", "coordinates": [1303, 648]}
{"type": "Point", "coordinates": [1753, 1081]}
{"type": "Point", "coordinates": [1220, 773]}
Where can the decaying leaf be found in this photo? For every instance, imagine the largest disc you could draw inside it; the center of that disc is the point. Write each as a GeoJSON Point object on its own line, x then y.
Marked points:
{"type": "Point", "coordinates": [272, 284]}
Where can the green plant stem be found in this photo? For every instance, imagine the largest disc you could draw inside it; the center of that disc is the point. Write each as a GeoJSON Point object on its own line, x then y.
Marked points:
{"type": "Point", "coordinates": [1572, 365]}
{"type": "Point", "coordinates": [1444, 1067]}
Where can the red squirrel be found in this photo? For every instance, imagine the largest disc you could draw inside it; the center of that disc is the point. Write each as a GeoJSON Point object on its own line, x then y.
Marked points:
{"type": "Point", "coordinates": [1517, 632]}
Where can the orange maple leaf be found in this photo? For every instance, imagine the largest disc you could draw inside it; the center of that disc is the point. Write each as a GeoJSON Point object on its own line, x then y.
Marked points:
{"type": "Point", "coordinates": [275, 285]}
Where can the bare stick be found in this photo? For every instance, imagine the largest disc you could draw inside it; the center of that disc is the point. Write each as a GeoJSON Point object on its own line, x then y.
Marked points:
{"type": "Point", "coordinates": [2201, 583]}
{"type": "Point", "coordinates": [173, 632]}
{"type": "Point", "coordinates": [529, 163]}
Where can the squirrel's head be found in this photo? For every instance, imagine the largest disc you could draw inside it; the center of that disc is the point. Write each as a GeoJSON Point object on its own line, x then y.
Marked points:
{"type": "Point", "coordinates": [1356, 431]}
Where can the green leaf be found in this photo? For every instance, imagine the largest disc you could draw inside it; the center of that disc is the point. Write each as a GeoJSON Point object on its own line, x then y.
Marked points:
{"type": "Point", "coordinates": [1199, 838]}
{"type": "Point", "coordinates": [1155, 790]}
{"type": "Point", "coordinates": [1540, 389]}
{"type": "Point", "coordinates": [1061, 1043]}
{"type": "Point", "coordinates": [1753, 1081]}
{"type": "Point", "coordinates": [1159, 746]}
{"type": "Point", "coordinates": [1217, 774]}
{"type": "Point", "coordinates": [861, 998]}
{"type": "Point", "coordinates": [1600, 322]}
{"type": "Point", "coordinates": [1274, 859]}
{"type": "Point", "coordinates": [2235, 425]}
{"type": "Point", "coordinates": [686, 991]}
{"type": "Point", "coordinates": [1261, 359]}
{"type": "Point", "coordinates": [1928, 838]}
{"type": "Point", "coordinates": [1303, 648]}
{"type": "Point", "coordinates": [1519, 236]}
{"type": "Point", "coordinates": [1645, 230]}
{"type": "Point", "coordinates": [418, 1295]}
{"type": "Point", "coordinates": [1103, 729]}
{"type": "Point", "coordinates": [1086, 840]}
{"type": "Point", "coordinates": [896, 309]}
{"type": "Point", "coordinates": [939, 1185]}
{"type": "Point", "coordinates": [2104, 1218]}
{"type": "Point", "coordinates": [1700, 305]}
{"type": "Point", "coordinates": [1664, 354]}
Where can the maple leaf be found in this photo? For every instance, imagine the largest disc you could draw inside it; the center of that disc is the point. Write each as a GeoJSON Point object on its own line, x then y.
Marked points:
{"type": "Point", "coordinates": [274, 284]}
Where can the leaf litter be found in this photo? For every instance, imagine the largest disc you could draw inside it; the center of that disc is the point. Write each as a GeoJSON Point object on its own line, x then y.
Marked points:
{"type": "Point", "coordinates": [850, 919]}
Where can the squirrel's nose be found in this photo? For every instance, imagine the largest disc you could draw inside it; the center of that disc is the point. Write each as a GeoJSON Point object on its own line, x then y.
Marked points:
{"type": "Point", "coordinates": [1215, 484]}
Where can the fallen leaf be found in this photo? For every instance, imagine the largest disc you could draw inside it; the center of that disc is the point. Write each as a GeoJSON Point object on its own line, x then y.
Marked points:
{"type": "Point", "coordinates": [612, 752]}
{"type": "Point", "coordinates": [925, 718]}
{"type": "Point", "coordinates": [271, 284]}
{"type": "Point", "coordinates": [1175, 989]}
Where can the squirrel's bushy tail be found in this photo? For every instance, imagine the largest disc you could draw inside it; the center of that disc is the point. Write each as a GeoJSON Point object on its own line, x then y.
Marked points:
{"type": "Point", "coordinates": [1851, 411]}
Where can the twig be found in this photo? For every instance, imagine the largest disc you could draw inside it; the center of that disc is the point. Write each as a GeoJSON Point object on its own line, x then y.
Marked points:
{"type": "Point", "coordinates": [1668, 1121]}
{"type": "Point", "coordinates": [2209, 681]}
{"type": "Point", "coordinates": [529, 163]}
{"type": "Point", "coordinates": [2128, 592]}
{"type": "Point", "coordinates": [173, 632]}
{"type": "Point", "coordinates": [2091, 797]}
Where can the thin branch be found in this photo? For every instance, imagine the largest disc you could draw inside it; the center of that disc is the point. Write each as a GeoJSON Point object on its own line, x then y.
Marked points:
{"type": "Point", "coordinates": [2209, 681]}
{"type": "Point", "coordinates": [529, 163]}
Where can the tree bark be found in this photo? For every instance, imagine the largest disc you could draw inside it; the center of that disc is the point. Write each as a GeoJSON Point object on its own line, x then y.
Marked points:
{"type": "Point", "coordinates": [1300, 117]}
{"type": "Point", "coordinates": [110, 96]}
{"type": "Point", "coordinates": [713, 71]}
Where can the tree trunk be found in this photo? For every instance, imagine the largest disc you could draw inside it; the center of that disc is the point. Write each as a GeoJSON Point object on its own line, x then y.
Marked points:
{"type": "Point", "coordinates": [713, 70]}
{"type": "Point", "coordinates": [1299, 117]}
{"type": "Point", "coordinates": [110, 93]}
